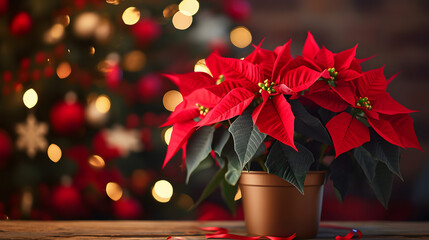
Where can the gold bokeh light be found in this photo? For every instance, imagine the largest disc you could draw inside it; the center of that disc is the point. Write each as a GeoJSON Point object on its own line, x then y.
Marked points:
{"type": "Point", "coordinates": [162, 191]}
{"type": "Point", "coordinates": [171, 99]}
{"type": "Point", "coordinates": [96, 162]}
{"type": "Point", "coordinates": [181, 21]}
{"type": "Point", "coordinates": [30, 98]}
{"type": "Point", "coordinates": [92, 50]}
{"type": "Point", "coordinates": [201, 66]}
{"type": "Point", "coordinates": [102, 104]}
{"type": "Point", "coordinates": [114, 191]}
{"type": "Point", "coordinates": [170, 10]}
{"type": "Point", "coordinates": [64, 70]}
{"type": "Point", "coordinates": [167, 135]}
{"type": "Point", "coordinates": [54, 153]}
{"type": "Point", "coordinates": [134, 61]}
{"type": "Point", "coordinates": [237, 195]}
{"type": "Point", "coordinates": [241, 37]}
{"type": "Point", "coordinates": [131, 16]}
{"type": "Point", "coordinates": [189, 7]}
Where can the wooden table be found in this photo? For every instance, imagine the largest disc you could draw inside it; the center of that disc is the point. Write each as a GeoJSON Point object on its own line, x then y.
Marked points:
{"type": "Point", "coordinates": [186, 229]}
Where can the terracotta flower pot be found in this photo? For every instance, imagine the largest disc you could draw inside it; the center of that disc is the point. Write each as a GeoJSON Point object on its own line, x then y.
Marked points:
{"type": "Point", "coordinates": [274, 207]}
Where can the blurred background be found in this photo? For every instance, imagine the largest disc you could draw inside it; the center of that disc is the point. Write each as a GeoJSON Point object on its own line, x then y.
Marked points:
{"type": "Point", "coordinates": [82, 99]}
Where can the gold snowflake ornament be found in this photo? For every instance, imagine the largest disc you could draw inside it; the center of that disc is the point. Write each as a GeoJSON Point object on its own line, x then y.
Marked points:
{"type": "Point", "coordinates": [31, 136]}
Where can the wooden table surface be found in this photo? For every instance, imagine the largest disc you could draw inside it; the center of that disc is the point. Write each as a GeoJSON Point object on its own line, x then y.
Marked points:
{"type": "Point", "coordinates": [186, 229]}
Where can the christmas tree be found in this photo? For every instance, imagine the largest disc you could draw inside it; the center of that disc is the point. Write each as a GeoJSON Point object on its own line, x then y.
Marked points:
{"type": "Point", "coordinates": [82, 98]}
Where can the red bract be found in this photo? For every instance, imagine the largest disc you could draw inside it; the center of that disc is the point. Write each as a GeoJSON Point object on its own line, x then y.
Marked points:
{"type": "Point", "coordinates": [195, 104]}
{"type": "Point", "coordinates": [254, 78]}
{"type": "Point", "coordinates": [267, 80]}
{"type": "Point", "coordinates": [334, 91]}
{"type": "Point", "coordinates": [373, 104]}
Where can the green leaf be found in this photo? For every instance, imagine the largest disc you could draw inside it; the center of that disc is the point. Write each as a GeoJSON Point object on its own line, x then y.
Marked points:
{"type": "Point", "coordinates": [247, 138]}
{"type": "Point", "coordinates": [198, 148]}
{"type": "Point", "coordinates": [228, 194]}
{"type": "Point", "coordinates": [213, 184]}
{"type": "Point", "coordinates": [366, 162]}
{"type": "Point", "coordinates": [382, 183]}
{"type": "Point", "coordinates": [325, 115]}
{"type": "Point", "coordinates": [220, 160]}
{"type": "Point", "coordinates": [234, 166]}
{"type": "Point", "coordinates": [289, 164]}
{"type": "Point", "coordinates": [387, 153]}
{"type": "Point", "coordinates": [307, 124]}
{"type": "Point", "coordinates": [220, 138]}
{"type": "Point", "coordinates": [341, 171]}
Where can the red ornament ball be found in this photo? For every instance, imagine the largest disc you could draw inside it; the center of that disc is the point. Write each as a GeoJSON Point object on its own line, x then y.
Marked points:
{"type": "Point", "coordinates": [237, 9]}
{"type": "Point", "coordinates": [67, 202]}
{"type": "Point", "coordinates": [25, 63]}
{"type": "Point", "coordinates": [7, 76]}
{"type": "Point", "coordinates": [127, 208]}
{"type": "Point", "coordinates": [149, 87]}
{"type": "Point", "coordinates": [40, 57]}
{"type": "Point", "coordinates": [103, 148]}
{"type": "Point", "coordinates": [67, 118]}
{"type": "Point", "coordinates": [35, 75]}
{"type": "Point", "coordinates": [5, 147]}
{"type": "Point", "coordinates": [21, 24]}
{"type": "Point", "coordinates": [4, 5]}
{"type": "Point", "coordinates": [146, 31]}
{"type": "Point", "coordinates": [48, 71]}
{"type": "Point", "coordinates": [133, 121]}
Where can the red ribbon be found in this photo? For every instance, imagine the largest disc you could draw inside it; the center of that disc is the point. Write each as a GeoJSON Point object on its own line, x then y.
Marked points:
{"type": "Point", "coordinates": [224, 233]}
{"type": "Point", "coordinates": [349, 235]}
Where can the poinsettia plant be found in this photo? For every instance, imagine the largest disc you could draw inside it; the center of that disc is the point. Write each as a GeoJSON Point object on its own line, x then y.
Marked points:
{"type": "Point", "coordinates": [289, 115]}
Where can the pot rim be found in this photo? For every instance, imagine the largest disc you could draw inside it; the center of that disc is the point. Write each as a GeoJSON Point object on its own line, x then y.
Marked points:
{"type": "Point", "coordinates": [261, 178]}
{"type": "Point", "coordinates": [263, 172]}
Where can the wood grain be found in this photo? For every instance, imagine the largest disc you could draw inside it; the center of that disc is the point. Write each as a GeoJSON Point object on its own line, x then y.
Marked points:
{"type": "Point", "coordinates": [187, 229]}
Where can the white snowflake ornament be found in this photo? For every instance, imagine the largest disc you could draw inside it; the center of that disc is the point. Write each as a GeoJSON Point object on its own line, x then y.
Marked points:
{"type": "Point", "coordinates": [125, 140]}
{"type": "Point", "coordinates": [31, 136]}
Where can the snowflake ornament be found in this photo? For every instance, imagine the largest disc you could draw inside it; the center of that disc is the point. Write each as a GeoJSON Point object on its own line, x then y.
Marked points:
{"type": "Point", "coordinates": [125, 140]}
{"type": "Point", "coordinates": [31, 136]}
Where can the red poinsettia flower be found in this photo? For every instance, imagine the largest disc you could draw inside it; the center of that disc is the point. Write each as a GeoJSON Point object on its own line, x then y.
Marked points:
{"type": "Point", "coordinates": [334, 91]}
{"type": "Point", "coordinates": [195, 104]}
{"type": "Point", "coordinates": [387, 117]}
{"type": "Point", "coordinates": [254, 78]}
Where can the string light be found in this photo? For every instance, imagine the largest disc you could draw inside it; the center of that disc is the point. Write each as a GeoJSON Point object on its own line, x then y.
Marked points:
{"type": "Point", "coordinates": [171, 99]}
{"type": "Point", "coordinates": [96, 162]}
{"type": "Point", "coordinates": [92, 50]}
{"type": "Point", "coordinates": [189, 7]}
{"type": "Point", "coordinates": [114, 191]}
{"type": "Point", "coordinates": [54, 153]}
{"type": "Point", "coordinates": [167, 135]}
{"type": "Point", "coordinates": [102, 104]}
{"type": "Point", "coordinates": [30, 98]}
{"type": "Point", "coordinates": [241, 37]}
{"type": "Point", "coordinates": [131, 16]}
{"type": "Point", "coordinates": [63, 70]}
{"type": "Point", "coordinates": [181, 21]}
{"type": "Point", "coordinates": [162, 191]}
